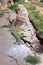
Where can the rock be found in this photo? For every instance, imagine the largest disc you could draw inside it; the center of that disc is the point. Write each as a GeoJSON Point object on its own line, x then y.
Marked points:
{"type": "Point", "coordinates": [20, 51]}
{"type": "Point", "coordinates": [9, 10]}
{"type": "Point", "coordinates": [12, 17]}
{"type": "Point", "coordinates": [28, 45]}
{"type": "Point", "coordinates": [5, 60]}
{"type": "Point", "coordinates": [6, 40]}
{"type": "Point", "coordinates": [3, 22]}
{"type": "Point", "coordinates": [20, 17]}
{"type": "Point", "coordinates": [8, 49]}
{"type": "Point", "coordinates": [27, 26]}
{"type": "Point", "coordinates": [6, 15]}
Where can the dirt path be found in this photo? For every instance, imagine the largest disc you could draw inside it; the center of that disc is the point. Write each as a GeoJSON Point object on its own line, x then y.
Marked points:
{"type": "Point", "coordinates": [40, 9]}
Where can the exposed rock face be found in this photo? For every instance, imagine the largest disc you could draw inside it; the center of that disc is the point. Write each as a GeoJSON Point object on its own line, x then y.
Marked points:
{"type": "Point", "coordinates": [29, 30]}
{"type": "Point", "coordinates": [20, 51]}
{"type": "Point", "coordinates": [6, 39]}
{"type": "Point", "coordinates": [12, 17]}
{"type": "Point", "coordinates": [11, 54]}
{"type": "Point", "coordinates": [20, 17]}
{"type": "Point", "coordinates": [3, 21]}
{"type": "Point", "coordinates": [7, 47]}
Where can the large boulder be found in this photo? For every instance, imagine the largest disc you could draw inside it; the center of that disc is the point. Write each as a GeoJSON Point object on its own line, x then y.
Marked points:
{"type": "Point", "coordinates": [20, 51]}
{"type": "Point", "coordinates": [20, 17]}
{"type": "Point", "coordinates": [6, 40]}
{"type": "Point", "coordinates": [4, 20]}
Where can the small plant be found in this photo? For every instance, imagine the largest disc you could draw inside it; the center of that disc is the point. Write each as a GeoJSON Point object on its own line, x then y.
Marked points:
{"type": "Point", "coordinates": [30, 7]}
{"type": "Point", "coordinates": [20, 1]}
{"type": "Point", "coordinates": [22, 36]}
{"type": "Point", "coordinates": [14, 8]}
{"type": "Point", "coordinates": [32, 59]}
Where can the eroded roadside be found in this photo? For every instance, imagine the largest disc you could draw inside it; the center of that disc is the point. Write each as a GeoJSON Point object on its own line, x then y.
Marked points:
{"type": "Point", "coordinates": [10, 51]}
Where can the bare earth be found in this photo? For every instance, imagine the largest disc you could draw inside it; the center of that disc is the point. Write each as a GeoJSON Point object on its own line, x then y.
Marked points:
{"type": "Point", "coordinates": [40, 9]}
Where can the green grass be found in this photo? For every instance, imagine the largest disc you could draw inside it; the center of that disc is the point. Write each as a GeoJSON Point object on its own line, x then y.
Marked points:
{"type": "Point", "coordinates": [14, 8]}
{"type": "Point", "coordinates": [32, 59]}
{"type": "Point", "coordinates": [14, 33]}
{"type": "Point", "coordinates": [31, 7]}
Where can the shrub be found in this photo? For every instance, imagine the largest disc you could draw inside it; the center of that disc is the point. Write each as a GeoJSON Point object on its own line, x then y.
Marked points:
{"type": "Point", "coordinates": [30, 7]}
{"type": "Point", "coordinates": [32, 59]}
{"type": "Point", "coordinates": [20, 1]}
{"type": "Point", "coordinates": [14, 8]}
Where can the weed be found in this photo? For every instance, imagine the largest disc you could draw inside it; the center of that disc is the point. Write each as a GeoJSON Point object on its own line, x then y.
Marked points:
{"type": "Point", "coordinates": [14, 8]}
{"type": "Point", "coordinates": [32, 59]}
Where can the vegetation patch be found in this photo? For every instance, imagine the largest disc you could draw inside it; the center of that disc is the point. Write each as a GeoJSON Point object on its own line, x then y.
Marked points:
{"type": "Point", "coordinates": [14, 8]}
{"type": "Point", "coordinates": [20, 1]}
{"type": "Point", "coordinates": [32, 59]}
{"type": "Point", "coordinates": [36, 18]}
{"type": "Point", "coordinates": [30, 7]}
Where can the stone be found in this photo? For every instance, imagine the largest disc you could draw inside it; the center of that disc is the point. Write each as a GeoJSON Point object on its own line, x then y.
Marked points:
{"type": "Point", "coordinates": [8, 49]}
{"type": "Point", "coordinates": [20, 17]}
{"type": "Point", "coordinates": [12, 17]}
{"type": "Point", "coordinates": [20, 51]}
{"type": "Point", "coordinates": [27, 26]}
{"type": "Point", "coordinates": [6, 15]}
{"type": "Point", "coordinates": [3, 22]}
{"type": "Point", "coordinates": [5, 60]}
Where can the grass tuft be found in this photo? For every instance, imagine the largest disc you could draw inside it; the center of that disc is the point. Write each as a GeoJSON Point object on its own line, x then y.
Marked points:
{"type": "Point", "coordinates": [32, 59]}
{"type": "Point", "coordinates": [14, 8]}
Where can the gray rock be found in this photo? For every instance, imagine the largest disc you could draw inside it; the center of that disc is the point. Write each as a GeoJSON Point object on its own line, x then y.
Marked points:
{"type": "Point", "coordinates": [8, 49]}
{"type": "Point", "coordinates": [12, 17]}
{"type": "Point", "coordinates": [20, 17]}
{"type": "Point", "coordinates": [20, 51]}
{"type": "Point", "coordinates": [28, 27]}
{"type": "Point", "coordinates": [3, 22]}
{"type": "Point", "coordinates": [6, 40]}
